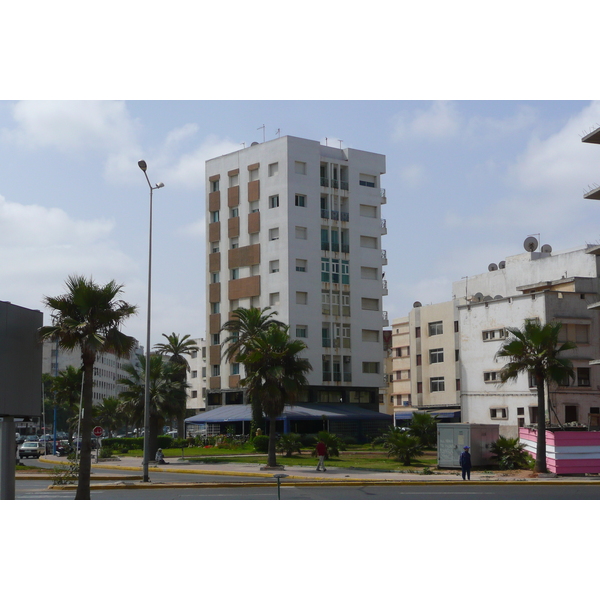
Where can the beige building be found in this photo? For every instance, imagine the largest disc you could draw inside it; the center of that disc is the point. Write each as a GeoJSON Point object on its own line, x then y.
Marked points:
{"type": "Point", "coordinates": [426, 367]}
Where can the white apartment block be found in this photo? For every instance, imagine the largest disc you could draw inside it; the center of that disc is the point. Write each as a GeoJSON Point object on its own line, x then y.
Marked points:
{"type": "Point", "coordinates": [296, 226]}
{"type": "Point", "coordinates": [534, 285]}
{"type": "Point", "coordinates": [426, 368]}
{"type": "Point", "coordinates": [108, 368]}
{"type": "Point", "coordinates": [196, 377]}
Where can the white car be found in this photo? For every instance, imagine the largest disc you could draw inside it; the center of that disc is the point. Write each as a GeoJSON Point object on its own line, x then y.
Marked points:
{"type": "Point", "coordinates": [33, 449]}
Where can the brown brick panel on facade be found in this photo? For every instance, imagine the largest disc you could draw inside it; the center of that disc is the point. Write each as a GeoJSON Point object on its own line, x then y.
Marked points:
{"type": "Point", "coordinates": [214, 353]}
{"type": "Point", "coordinates": [246, 256]}
{"type": "Point", "coordinates": [233, 227]}
{"type": "Point", "coordinates": [214, 292]}
{"type": "Point", "coordinates": [253, 190]}
{"type": "Point", "coordinates": [234, 381]}
{"type": "Point", "coordinates": [233, 196]}
{"type": "Point", "coordinates": [214, 383]}
{"type": "Point", "coordinates": [214, 232]}
{"type": "Point", "coordinates": [214, 262]}
{"type": "Point", "coordinates": [254, 222]}
{"type": "Point", "coordinates": [214, 323]}
{"type": "Point", "coordinates": [214, 201]}
{"type": "Point", "coordinates": [247, 287]}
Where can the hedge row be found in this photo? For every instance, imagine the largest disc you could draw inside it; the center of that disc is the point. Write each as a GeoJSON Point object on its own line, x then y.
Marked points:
{"type": "Point", "coordinates": [137, 443]}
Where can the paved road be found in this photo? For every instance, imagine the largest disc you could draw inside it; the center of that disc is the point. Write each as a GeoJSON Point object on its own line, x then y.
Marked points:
{"type": "Point", "coordinates": [38, 490]}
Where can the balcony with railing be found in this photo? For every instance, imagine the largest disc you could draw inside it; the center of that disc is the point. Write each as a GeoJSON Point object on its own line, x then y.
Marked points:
{"type": "Point", "coordinates": [344, 185]}
{"type": "Point", "coordinates": [324, 213]}
{"type": "Point", "coordinates": [384, 260]}
{"type": "Point", "coordinates": [385, 319]}
{"type": "Point", "coordinates": [382, 195]}
{"type": "Point", "coordinates": [335, 215]}
{"type": "Point", "coordinates": [346, 248]}
{"type": "Point", "coordinates": [344, 216]}
{"type": "Point", "coordinates": [383, 227]}
{"type": "Point", "coordinates": [324, 182]}
{"type": "Point", "coordinates": [384, 286]}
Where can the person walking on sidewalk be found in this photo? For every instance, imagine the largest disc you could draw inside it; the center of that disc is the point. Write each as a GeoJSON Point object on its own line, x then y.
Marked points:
{"type": "Point", "coordinates": [321, 452]}
{"type": "Point", "coordinates": [465, 463]}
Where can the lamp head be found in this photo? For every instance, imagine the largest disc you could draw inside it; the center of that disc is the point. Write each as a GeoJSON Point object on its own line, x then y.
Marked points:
{"type": "Point", "coordinates": [142, 165]}
{"type": "Point", "coordinates": [160, 184]}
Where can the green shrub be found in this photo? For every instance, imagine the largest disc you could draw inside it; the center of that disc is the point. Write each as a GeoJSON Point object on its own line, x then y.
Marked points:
{"type": "Point", "coordinates": [289, 443]}
{"type": "Point", "coordinates": [261, 443]}
{"type": "Point", "coordinates": [333, 444]}
{"type": "Point", "coordinates": [105, 452]}
{"type": "Point", "coordinates": [511, 454]}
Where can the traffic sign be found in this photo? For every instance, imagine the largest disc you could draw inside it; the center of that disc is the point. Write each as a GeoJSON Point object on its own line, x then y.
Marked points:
{"type": "Point", "coordinates": [98, 431]}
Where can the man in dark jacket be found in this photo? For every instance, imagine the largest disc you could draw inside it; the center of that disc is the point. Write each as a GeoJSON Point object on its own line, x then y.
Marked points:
{"type": "Point", "coordinates": [465, 463]}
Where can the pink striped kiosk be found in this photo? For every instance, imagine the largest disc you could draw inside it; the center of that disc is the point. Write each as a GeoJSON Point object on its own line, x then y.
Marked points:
{"type": "Point", "coordinates": [567, 452]}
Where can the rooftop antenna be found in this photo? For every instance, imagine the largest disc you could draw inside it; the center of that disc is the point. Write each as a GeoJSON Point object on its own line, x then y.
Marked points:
{"type": "Point", "coordinates": [341, 144]}
{"type": "Point", "coordinates": [466, 278]}
{"type": "Point", "coordinates": [278, 133]}
{"type": "Point", "coordinates": [263, 128]}
{"type": "Point", "coordinates": [243, 144]}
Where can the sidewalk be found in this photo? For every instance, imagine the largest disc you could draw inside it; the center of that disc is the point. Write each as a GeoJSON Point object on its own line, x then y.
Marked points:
{"type": "Point", "coordinates": [130, 468]}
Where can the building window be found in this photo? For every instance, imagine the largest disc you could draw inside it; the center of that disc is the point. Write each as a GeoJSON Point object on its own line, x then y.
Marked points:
{"type": "Point", "coordinates": [194, 394]}
{"type": "Point", "coordinates": [274, 234]}
{"type": "Point", "coordinates": [499, 413]}
{"type": "Point", "coordinates": [274, 299]}
{"type": "Point", "coordinates": [301, 298]}
{"type": "Point", "coordinates": [436, 384]}
{"type": "Point", "coordinates": [274, 201]}
{"type": "Point", "coordinates": [234, 212]}
{"type": "Point", "coordinates": [325, 269]}
{"type": "Point", "coordinates": [419, 360]}
{"type": "Point", "coordinates": [345, 272]}
{"type": "Point", "coordinates": [419, 387]}
{"type": "Point", "coordinates": [417, 332]}
{"type": "Point", "coordinates": [367, 180]}
{"type": "Point", "coordinates": [235, 368]}
{"type": "Point", "coordinates": [583, 377]}
{"type": "Point", "coordinates": [215, 277]}
{"type": "Point", "coordinates": [214, 186]}
{"type": "Point", "coordinates": [300, 168]}
{"type": "Point", "coordinates": [301, 331]}
{"type": "Point", "coordinates": [214, 216]}
{"type": "Point", "coordinates": [301, 233]}
{"type": "Point", "coordinates": [436, 328]}
{"type": "Point", "coordinates": [370, 367]}
{"type": "Point", "coordinates": [274, 266]}
{"type": "Point", "coordinates": [215, 307]}
{"type": "Point", "coordinates": [493, 334]}
{"type": "Point", "coordinates": [234, 180]}
{"type": "Point", "coordinates": [300, 200]}
{"type": "Point", "coordinates": [369, 303]}
{"type": "Point", "coordinates": [436, 355]}
{"type": "Point", "coordinates": [326, 366]}
{"type": "Point", "coordinates": [455, 326]}
{"type": "Point", "coordinates": [254, 206]}
{"type": "Point", "coordinates": [491, 376]}
{"type": "Point", "coordinates": [301, 265]}
{"type": "Point", "coordinates": [235, 274]}
{"type": "Point", "coordinates": [214, 247]}
{"type": "Point", "coordinates": [273, 169]}
{"type": "Point", "coordinates": [234, 243]}
{"type": "Point", "coordinates": [216, 370]}
{"type": "Point", "coordinates": [216, 339]}
{"type": "Point", "coordinates": [253, 175]}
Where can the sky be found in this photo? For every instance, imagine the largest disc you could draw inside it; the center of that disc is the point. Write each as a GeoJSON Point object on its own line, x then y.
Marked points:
{"type": "Point", "coordinates": [466, 182]}
{"type": "Point", "coordinates": [479, 109]}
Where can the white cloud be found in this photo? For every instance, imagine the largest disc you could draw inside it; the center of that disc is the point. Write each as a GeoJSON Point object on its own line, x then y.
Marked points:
{"type": "Point", "coordinates": [40, 247]}
{"type": "Point", "coordinates": [440, 120]}
{"type": "Point", "coordinates": [72, 125]}
{"type": "Point", "coordinates": [412, 175]}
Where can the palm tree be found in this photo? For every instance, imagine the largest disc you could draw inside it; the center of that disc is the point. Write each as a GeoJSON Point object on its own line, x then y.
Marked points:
{"type": "Point", "coordinates": [178, 348]}
{"type": "Point", "coordinates": [402, 445]}
{"type": "Point", "coordinates": [275, 374]}
{"type": "Point", "coordinates": [167, 392]}
{"type": "Point", "coordinates": [535, 349]}
{"type": "Point", "coordinates": [243, 329]}
{"type": "Point", "coordinates": [108, 415]}
{"type": "Point", "coordinates": [424, 427]}
{"type": "Point", "coordinates": [89, 317]}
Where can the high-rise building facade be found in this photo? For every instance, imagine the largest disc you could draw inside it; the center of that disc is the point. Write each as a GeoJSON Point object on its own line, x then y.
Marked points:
{"type": "Point", "coordinates": [296, 226]}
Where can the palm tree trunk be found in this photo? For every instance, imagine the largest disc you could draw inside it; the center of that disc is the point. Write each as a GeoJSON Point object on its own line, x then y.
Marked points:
{"type": "Point", "coordinates": [272, 457]}
{"type": "Point", "coordinates": [85, 455]}
{"type": "Point", "coordinates": [540, 455]}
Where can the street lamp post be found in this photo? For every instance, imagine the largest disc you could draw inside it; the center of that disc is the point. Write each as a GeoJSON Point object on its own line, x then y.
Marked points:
{"type": "Point", "coordinates": [147, 458]}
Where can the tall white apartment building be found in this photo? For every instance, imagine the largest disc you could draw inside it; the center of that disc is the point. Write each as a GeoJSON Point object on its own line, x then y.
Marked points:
{"type": "Point", "coordinates": [296, 226]}
{"type": "Point", "coordinates": [108, 368]}
{"type": "Point", "coordinates": [197, 378]}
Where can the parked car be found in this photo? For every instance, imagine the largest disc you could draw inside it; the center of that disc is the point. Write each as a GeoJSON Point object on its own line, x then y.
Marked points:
{"type": "Point", "coordinates": [31, 449]}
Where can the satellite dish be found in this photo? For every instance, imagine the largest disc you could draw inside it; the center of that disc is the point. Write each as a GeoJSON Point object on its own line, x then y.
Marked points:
{"type": "Point", "coordinates": [417, 305]}
{"type": "Point", "coordinates": [498, 297]}
{"type": "Point", "coordinates": [502, 264]}
{"type": "Point", "coordinates": [530, 244]}
{"type": "Point", "coordinates": [478, 297]}
{"type": "Point", "coordinates": [492, 267]}
{"type": "Point", "coordinates": [487, 298]}
{"type": "Point", "coordinates": [547, 248]}
{"type": "Point", "coordinates": [254, 144]}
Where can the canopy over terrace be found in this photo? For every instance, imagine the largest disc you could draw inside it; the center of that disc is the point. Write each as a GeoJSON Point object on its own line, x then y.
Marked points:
{"type": "Point", "coordinates": [341, 419]}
